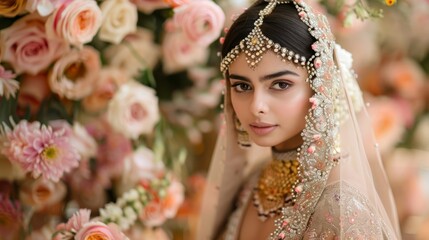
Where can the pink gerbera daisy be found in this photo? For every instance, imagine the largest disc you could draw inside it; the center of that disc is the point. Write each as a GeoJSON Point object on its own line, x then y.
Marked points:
{"type": "Point", "coordinates": [40, 150]}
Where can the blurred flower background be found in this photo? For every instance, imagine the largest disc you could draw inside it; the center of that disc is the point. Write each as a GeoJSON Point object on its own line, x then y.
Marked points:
{"type": "Point", "coordinates": [110, 110]}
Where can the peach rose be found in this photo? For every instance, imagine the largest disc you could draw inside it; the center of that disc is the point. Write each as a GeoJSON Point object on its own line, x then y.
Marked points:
{"type": "Point", "coordinates": [148, 6]}
{"type": "Point", "coordinates": [99, 230]}
{"type": "Point", "coordinates": [26, 46]}
{"type": "Point", "coordinates": [387, 122]}
{"type": "Point", "coordinates": [108, 82]}
{"type": "Point", "coordinates": [74, 75]}
{"type": "Point", "coordinates": [40, 193]}
{"type": "Point", "coordinates": [77, 22]}
{"type": "Point", "coordinates": [133, 110]}
{"type": "Point", "coordinates": [137, 52]}
{"type": "Point", "coordinates": [179, 53]}
{"type": "Point", "coordinates": [152, 215]}
{"type": "Point", "coordinates": [174, 198]}
{"type": "Point", "coordinates": [34, 90]}
{"type": "Point", "coordinates": [202, 21]}
{"type": "Point", "coordinates": [11, 8]}
{"type": "Point", "coordinates": [176, 3]}
{"type": "Point", "coordinates": [160, 209]}
{"type": "Point", "coordinates": [405, 76]}
{"type": "Point", "coordinates": [119, 19]}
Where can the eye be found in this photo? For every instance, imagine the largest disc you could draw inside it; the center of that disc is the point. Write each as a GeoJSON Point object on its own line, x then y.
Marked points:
{"type": "Point", "coordinates": [281, 85]}
{"type": "Point", "coordinates": [241, 87]}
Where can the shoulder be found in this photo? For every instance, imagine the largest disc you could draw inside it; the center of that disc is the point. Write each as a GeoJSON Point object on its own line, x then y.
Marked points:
{"type": "Point", "coordinates": [345, 213]}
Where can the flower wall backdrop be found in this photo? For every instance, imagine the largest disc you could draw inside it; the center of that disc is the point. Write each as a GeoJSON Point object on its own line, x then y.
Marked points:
{"type": "Point", "coordinates": [101, 106]}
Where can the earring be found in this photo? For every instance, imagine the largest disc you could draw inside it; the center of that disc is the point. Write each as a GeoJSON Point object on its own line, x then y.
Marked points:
{"type": "Point", "coordinates": [242, 136]}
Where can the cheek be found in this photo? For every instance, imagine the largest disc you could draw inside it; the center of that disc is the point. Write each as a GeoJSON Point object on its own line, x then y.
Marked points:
{"type": "Point", "coordinates": [296, 108]}
{"type": "Point", "coordinates": [237, 104]}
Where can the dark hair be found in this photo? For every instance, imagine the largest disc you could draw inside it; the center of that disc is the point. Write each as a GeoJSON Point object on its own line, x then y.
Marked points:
{"type": "Point", "coordinates": [283, 26]}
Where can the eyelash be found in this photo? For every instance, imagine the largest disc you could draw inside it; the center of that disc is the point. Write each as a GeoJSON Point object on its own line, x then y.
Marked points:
{"type": "Point", "coordinates": [236, 85]}
{"type": "Point", "coordinates": [241, 84]}
{"type": "Point", "coordinates": [288, 85]}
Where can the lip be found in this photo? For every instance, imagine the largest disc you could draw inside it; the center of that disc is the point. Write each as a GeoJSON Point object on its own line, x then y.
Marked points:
{"type": "Point", "coordinates": [262, 128]}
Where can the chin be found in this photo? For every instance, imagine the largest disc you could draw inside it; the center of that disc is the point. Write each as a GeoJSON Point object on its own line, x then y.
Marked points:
{"type": "Point", "coordinates": [264, 142]}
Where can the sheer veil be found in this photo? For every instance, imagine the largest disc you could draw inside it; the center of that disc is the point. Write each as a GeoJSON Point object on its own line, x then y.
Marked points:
{"type": "Point", "coordinates": [339, 150]}
{"type": "Point", "coordinates": [362, 168]}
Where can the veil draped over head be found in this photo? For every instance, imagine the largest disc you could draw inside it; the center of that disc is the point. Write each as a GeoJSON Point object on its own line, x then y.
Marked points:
{"type": "Point", "coordinates": [339, 152]}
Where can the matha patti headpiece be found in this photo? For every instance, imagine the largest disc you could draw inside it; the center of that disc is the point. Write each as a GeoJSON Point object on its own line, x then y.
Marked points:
{"type": "Point", "coordinates": [319, 152]}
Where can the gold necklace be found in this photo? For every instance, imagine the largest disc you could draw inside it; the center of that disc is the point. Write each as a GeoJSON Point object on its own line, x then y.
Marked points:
{"type": "Point", "coordinates": [275, 184]}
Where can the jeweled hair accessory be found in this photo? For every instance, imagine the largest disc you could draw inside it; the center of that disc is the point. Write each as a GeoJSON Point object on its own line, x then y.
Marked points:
{"type": "Point", "coordinates": [319, 152]}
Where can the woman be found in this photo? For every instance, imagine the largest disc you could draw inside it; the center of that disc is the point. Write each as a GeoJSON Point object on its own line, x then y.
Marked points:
{"type": "Point", "coordinates": [290, 89]}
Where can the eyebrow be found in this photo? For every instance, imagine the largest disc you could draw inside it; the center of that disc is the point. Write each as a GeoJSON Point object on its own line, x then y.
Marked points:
{"type": "Point", "coordinates": [266, 77]}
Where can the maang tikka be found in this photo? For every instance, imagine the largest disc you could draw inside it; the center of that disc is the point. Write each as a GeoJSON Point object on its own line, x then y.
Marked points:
{"type": "Point", "coordinates": [321, 123]}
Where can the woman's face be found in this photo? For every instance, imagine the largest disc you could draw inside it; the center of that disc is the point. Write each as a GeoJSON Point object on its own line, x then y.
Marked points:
{"type": "Point", "coordinates": [270, 101]}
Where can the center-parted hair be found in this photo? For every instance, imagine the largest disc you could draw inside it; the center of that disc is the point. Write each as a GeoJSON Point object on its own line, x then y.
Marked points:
{"type": "Point", "coordinates": [283, 26]}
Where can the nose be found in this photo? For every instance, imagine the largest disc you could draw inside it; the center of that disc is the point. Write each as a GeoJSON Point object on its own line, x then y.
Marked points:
{"type": "Point", "coordinates": [259, 103]}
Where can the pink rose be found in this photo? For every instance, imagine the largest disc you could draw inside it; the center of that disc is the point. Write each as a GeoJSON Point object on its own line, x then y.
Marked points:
{"type": "Point", "coordinates": [33, 90]}
{"type": "Point", "coordinates": [148, 6]}
{"type": "Point", "coordinates": [26, 46]}
{"type": "Point", "coordinates": [133, 111]}
{"type": "Point", "coordinates": [77, 22]}
{"type": "Point", "coordinates": [108, 82]}
{"type": "Point", "coordinates": [74, 75]}
{"type": "Point", "coordinates": [179, 53]}
{"type": "Point", "coordinates": [202, 21]}
{"type": "Point", "coordinates": [99, 230]}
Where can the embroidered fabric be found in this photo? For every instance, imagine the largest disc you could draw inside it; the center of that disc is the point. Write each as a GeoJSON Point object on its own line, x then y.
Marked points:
{"type": "Point", "coordinates": [360, 219]}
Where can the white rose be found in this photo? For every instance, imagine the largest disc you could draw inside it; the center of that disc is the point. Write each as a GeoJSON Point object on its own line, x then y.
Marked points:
{"type": "Point", "coordinates": [139, 165]}
{"type": "Point", "coordinates": [119, 19]}
{"type": "Point", "coordinates": [84, 143]}
{"type": "Point", "coordinates": [137, 51]}
{"type": "Point", "coordinates": [133, 110]}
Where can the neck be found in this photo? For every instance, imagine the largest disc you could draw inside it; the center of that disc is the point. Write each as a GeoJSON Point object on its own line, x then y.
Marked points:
{"type": "Point", "coordinates": [287, 155]}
